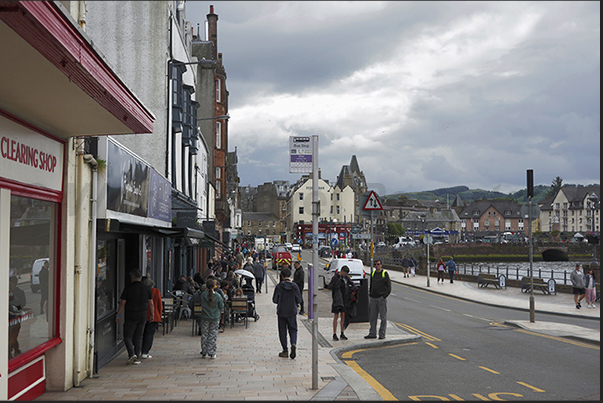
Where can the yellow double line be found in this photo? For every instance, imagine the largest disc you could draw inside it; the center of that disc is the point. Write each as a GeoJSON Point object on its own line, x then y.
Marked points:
{"type": "Point", "coordinates": [411, 329]}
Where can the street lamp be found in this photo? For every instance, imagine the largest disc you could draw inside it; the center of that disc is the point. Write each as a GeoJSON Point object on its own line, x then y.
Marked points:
{"type": "Point", "coordinates": [204, 63]}
{"type": "Point", "coordinates": [594, 202]}
{"type": "Point", "coordinates": [216, 118]}
{"type": "Point", "coordinates": [425, 240]}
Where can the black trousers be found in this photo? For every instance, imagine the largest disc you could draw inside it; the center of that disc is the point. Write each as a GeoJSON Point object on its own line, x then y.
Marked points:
{"type": "Point", "coordinates": [148, 336]}
{"type": "Point", "coordinates": [133, 332]}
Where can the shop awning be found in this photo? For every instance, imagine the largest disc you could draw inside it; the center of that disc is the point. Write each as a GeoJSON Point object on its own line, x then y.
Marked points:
{"type": "Point", "coordinates": [54, 78]}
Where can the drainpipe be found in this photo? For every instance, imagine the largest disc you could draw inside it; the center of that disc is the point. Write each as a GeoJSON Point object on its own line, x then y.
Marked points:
{"type": "Point", "coordinates": [77, 266]}
{"type": "Point", "coordinates": [89, 159]}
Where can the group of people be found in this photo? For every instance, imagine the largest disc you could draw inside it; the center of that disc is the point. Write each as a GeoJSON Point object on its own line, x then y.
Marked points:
{"type": "Point", "coordinates": [584, 286]}
{"type": "Point", "coordinates": [442, 267]}
{"type": "Point", "coordinates": [142, 306]}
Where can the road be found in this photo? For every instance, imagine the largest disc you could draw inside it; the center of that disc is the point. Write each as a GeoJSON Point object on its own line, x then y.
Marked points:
{"type": "Point", "coordinates": [466, 352]}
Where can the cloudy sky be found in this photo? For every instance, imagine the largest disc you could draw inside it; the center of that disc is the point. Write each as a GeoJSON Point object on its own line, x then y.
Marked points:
{"type": "Point", "coordinates": [426, 94]}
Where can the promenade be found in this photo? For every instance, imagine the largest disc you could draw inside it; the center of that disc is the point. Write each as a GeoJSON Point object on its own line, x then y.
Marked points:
{"type": "Point", "coordinates": [247, 366]}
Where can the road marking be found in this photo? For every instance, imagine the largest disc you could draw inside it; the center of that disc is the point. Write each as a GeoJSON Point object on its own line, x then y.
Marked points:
{"type": "Point", "coordinates": [417, 332]}
{"type": "Point", "coordinates": [432, 345]}
{"type": "Point", "coordinates": [534, 388]}
{"type": "Point", "coordinates": [546, 336]}
{"type": "Point", "coordinates": [384, 393]}
{"type": "Point", "coordinates": [481, 397]}
{"type": "Point", "coordinates": [457, 357]}
{"type": "Point", "coordinates": [455, 397]}
{"type": "Point", "coordinates": [439, 307]}
{"type": "Point", "coordinates": [489, 370]}
{"type": "Point", "coordinates": [476, 317]}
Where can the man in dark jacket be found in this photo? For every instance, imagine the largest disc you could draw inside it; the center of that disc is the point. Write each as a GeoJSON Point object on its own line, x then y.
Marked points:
{"type": "Point", "coordinates": [287, 297]}
{"type": "Point", "coordinates": [299, 279]}
{"type": "Point", "coordinates": [136, 299]}
{"type": "Point", "coordinates": [258, 272]}
{"type": "Point", "coordinates": [380, 288]}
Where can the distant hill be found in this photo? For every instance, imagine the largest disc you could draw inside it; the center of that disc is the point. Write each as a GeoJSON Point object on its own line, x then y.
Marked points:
{"type": "Point", "coordinates": [470, 195]}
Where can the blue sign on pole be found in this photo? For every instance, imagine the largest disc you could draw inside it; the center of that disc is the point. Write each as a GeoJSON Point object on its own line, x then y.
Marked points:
{"type": "Point", "coordinates": [333, 242]}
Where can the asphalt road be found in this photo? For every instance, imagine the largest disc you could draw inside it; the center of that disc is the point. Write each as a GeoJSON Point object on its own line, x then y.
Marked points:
{"type": "Point", "coordinates": [467, 353]}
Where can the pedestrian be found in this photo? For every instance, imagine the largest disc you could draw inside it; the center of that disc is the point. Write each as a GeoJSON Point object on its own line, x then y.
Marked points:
{"type": "Point", "coordinates": [451, 266]}
{"type": "Point", "coordinates": [406, 266]}
{"type": "Point", "coordinates": [299, 279]}
{"type": "Point", "coordinates": [341, 287]}
{"type": "Point", "coordinates": [212, 306]}
{"type": "Point", "coordinates": [380, 288]}
{"type": "Point", "coordinates": [258, 272]}
{"type": "Point", "coordinates": [153, 318]}
{"type": "Point", "coordinates": [591, 290]}
{"type": "Point", "coordinates": [17, 301]}
{"type": "Point", "coordinates": [440, 266]}
{"type": "Point", "coordinates": [287, 297]}
{"type": "Point", "coordinates": [578, 285]}
{"type": "Point", "coordinates": [136, 298]}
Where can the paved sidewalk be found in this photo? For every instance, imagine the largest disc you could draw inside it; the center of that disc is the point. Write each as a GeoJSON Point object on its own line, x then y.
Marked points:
{"type": "Point", "coordinates": [248, 366]}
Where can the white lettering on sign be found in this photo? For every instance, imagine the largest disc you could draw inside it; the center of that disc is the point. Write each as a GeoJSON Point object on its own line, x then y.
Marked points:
{"type": "Point", "coordinates": [29, 157]}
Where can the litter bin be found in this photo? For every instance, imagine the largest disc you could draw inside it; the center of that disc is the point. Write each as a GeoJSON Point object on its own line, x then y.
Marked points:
{"type": "Point", "coordinates": [362, 306]}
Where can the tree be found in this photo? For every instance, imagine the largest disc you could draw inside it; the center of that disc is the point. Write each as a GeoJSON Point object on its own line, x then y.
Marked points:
{"type": "Point", "coordinates": [555, 186]}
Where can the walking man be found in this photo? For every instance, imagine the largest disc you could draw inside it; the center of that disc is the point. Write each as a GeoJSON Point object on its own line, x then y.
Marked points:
{"type": "Point", "coordinates": [380, 288]}
{"type": "Point", "coordinates": [451, 266]}
{"type": "Point", "coordinates": [299, 279]}
{"type": "Point", "coordinates": [258, 272]}
{"type": "Point", "coordinates": [135, 300]}
{"type": "Point", "coordinates": [287, 297]}
{"type": "Point", "coordinates": [578, 285]}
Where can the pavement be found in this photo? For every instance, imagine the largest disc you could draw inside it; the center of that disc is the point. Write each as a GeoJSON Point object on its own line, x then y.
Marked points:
{"type": "Point", "coordinates": [247, 366]}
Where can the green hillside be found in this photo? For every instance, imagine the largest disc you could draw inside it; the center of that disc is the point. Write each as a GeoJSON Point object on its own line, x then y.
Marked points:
{"type": "Point", "coordinates": [470, 195]}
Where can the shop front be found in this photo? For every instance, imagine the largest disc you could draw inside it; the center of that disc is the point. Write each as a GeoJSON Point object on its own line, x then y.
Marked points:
{"type": "Point", "coordinates": [56, 90]}
{"type": "Point", "coordinates": [133, 230]}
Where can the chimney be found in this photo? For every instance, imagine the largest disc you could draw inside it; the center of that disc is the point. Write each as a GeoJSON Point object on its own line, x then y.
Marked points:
{"type": "Point", "coordinates": [212, 30]}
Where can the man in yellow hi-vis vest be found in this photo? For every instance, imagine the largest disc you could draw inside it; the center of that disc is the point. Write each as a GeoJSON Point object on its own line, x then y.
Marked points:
{"type": "Point", "coordinates": [380, 288]}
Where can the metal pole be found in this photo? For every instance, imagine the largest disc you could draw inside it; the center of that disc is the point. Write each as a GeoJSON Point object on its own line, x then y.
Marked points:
{"type": "Point", "coordinates": [372, 243]}
{"type": "Point", "coordinates": [532, 311]}
{"type": "Point", "coordinates": [428, 240]}
{"type": "Point", "coordinates": [315, 216]}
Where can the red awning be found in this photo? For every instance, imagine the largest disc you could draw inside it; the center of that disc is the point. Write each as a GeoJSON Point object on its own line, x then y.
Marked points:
{"type": "Point", "coordinates": [52, 76]}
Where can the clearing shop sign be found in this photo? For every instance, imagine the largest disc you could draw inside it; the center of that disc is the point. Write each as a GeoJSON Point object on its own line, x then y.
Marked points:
{"type": "Point", "coordinates": [30, 157]}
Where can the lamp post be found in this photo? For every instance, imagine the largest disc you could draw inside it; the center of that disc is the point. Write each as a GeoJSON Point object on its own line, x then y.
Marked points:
{"type": "Point", "coordinates": [594, 202]}
{"type": "Point", "coordinates": [422, 217]}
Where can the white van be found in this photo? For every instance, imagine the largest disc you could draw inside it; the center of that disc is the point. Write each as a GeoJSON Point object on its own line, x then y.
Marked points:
{"type": "Point", "coordinates": [35, 273]}
{"type": "Point", "coordinates": [355, 265]}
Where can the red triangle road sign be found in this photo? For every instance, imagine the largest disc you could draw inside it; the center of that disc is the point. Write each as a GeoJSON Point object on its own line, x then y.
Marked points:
{"type": "Point", "coordinates": [372, 202]}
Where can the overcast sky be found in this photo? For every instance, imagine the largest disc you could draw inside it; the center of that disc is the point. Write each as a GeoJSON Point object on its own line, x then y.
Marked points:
{"type": "Point", "coordinates": [426, 94]}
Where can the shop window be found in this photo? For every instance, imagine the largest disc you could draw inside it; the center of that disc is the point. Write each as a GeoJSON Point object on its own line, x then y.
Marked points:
{"type": "Point", "coordinates": [32, 288]}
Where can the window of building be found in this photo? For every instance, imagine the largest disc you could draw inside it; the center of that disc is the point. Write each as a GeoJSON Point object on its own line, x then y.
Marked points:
{"type": "Point", "coordinates": [338, 212]}
{"type": "Point", "coordinates": [259, 223]}
{"type": "Point", "coordinates": [248, 232]}
{"type": "Point", "coordinates": [337, 197]}
{"type": "Point", "coordinates": [301, 196]}
{"type": "Point", "coordinates": [249, 223]}
{"type": "Point", "coordinates": [301, 210]}
{"type": "Point", "coordinates": [218, 135]}
{"type": "Point", "coordinates": [331, 196]}
{"type": "Point", "coordinates": [218, 90]}
{"type": "Point", "coordinates": [218, 189]}
{"type": "Point", "coordinates": [507, 225]}
{"type": "Point", "coordinates": [475, 225]}
{"type": "Point", "coordinates": [33, 270]}
{"type": "Point", "coordinates": [488, 215]}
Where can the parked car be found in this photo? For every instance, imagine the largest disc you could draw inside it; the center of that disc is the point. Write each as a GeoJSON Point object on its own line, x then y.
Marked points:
{"type": "Point", "coordinates": [325, 251]}
{"type": "Point", "coordinates": [36, 267]}
{"type": "Point", "coordinates": [355, 265]}
{"type": "Point", "coordinates": [288, 245]}
{"type": "Point", "coordinates": [296, 247]}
